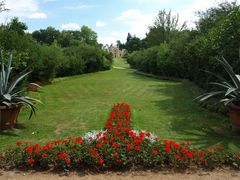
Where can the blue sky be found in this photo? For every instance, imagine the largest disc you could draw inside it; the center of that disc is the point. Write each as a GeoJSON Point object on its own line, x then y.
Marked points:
{"type": "Point", "coordinates": [111, 19]}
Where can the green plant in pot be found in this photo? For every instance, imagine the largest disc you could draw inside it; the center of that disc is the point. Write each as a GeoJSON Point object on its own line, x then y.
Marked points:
{"type": "Point", "coordinates": [228, 91]}
{"type": "Point", "coordinates": [11, 95]}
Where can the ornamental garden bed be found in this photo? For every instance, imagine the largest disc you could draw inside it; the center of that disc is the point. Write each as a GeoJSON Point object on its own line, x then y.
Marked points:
{"type": "Point", "coordinates": [116, 147]}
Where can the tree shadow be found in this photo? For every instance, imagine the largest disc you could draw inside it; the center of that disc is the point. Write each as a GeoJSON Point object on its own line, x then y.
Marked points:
{"type": "Point", "coordinates": [20, 126]}
{"type": "Point", "coordinates": [8, 133]}
{"type": "Point", "coordinates": [187, 119]}
{"type": "Point", "coordinates": [193, 122]}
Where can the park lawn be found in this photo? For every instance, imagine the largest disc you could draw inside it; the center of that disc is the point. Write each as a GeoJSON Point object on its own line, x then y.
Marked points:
{"type": "Point", "coordinates": [74, 105]}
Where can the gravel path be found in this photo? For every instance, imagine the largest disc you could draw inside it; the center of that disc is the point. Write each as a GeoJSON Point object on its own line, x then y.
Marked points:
{"type": "Point", "coordinates": [215, 175]}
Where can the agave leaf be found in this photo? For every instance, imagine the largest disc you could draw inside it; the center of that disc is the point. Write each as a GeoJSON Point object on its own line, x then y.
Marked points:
{"type": "Point", "coordinates": [206, 96]}
{"type": "Point", "coordinates": [28, 103]}
{"type": "Point", "coordinates": [227, 102]}
{"type": "Point", "coordinates": [217, 76]}
{"type": "Point", "coordinates": [6, 103]}
{"type": "Point", "coordinates": [230, 72]}
{"type": "Point", "coordinates": [7, 96]}
{"type": "Point", "coordinates": [230, 90]}
{"type": "Point", "coordinates": [9, 69]}
{"type": "Point", "coordinates": [221, 85]}
{"type": "Point", "coordinates": [13, 85]}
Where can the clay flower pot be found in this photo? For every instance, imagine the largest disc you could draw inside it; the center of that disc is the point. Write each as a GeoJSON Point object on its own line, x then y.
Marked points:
{"type": "Point", "coordinates": [8, 116]}
{"type": "Point", "coordinates": [234, 112]}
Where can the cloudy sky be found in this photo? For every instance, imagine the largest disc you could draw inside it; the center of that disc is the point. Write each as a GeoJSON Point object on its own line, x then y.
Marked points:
{"type": "Point", "coordinates": [111, 19]}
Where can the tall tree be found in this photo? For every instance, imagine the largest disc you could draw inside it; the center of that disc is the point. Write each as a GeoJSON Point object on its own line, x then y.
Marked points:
{"type": "Point", "coordinates": [2, 6]}
{"type": "Point", "coordinates": [88, 36]}
{"type": "Point", "coordinates": [164, 24]}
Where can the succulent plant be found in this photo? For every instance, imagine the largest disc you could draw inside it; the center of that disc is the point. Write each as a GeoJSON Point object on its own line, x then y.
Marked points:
{"type": "Point", "coordinates": [228, 90]}
{"type": "Point", "coordinates": [11, 93]}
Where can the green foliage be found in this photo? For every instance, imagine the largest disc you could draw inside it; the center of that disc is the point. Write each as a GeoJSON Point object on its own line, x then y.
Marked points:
{"type": "Point", "coordinates": [229, 90]}
{"type": "Point", "coordinates": [163, 28]}
{"type": "Point", "coordinates": [10, 93]}
{"type": "Point", "coordinates": [185, 53]}
{"type": "Point", "coordinates": [118, 146]}
{"type": "Point", "coordinates": [83, 59]}
{"type": "Point", "coordinates": [49, 60]}
{"type": "Point", "coordinates": [133, 43]}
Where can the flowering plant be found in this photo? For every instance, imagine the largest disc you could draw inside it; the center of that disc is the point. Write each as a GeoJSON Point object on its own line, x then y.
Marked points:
{"type": "Point", "coordinates": [117, 146]}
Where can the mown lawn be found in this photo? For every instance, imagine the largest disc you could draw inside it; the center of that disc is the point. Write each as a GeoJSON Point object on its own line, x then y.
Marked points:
{"type": "Point", "coordinates": [78, 104]}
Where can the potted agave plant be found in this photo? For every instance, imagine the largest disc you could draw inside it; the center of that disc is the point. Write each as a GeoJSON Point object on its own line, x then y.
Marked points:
{"type": "Point", "coordinates": [229, 93]}
{"type": "Point", "coordinates": [11, 95]}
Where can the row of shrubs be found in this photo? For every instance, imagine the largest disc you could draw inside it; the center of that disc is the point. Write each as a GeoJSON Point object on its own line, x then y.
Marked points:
{"type": "Point", "coordinates": [186, 53]}
{"type": "Point", "coordinates": [51, 59]}
{"type": "Point", "coordinates": [117, 146]}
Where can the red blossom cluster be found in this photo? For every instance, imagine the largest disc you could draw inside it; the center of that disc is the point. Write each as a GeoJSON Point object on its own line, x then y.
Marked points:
{"type": "Point", "coordinates": [118, 145]}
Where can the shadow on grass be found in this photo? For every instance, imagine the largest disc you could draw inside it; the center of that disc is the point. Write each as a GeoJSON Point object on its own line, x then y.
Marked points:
{"type": "Point", "coordinates": [8, 133]}
{"type": "Point", "coordinates": [20, 126]}
{"type": "Point", "coordinates": [192, 122]}
{"type": "Point", "coordinates": [188, 120]}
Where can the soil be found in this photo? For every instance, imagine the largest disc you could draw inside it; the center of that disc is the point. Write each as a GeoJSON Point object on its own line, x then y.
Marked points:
{"type": "Point", "coordinates": [223, 174]}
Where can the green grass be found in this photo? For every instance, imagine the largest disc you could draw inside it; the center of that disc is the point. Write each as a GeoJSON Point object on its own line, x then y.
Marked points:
{"type": "Point", "coordinates": [120, 62]}
{"type": "Point", "coordinates": [78, 104]}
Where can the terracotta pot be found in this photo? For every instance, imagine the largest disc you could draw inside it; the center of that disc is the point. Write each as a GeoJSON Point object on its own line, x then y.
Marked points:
{"type": "Point", "coordinates": [8, 116]}
{"type": "Point", "coordinates": [234, 112]}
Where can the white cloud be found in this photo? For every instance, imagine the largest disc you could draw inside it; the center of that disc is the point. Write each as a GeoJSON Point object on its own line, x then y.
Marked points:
{"type": "Point", "coordinates": [21, 9]}
{"type": "Point", "coordinates": [100, 24]}
{"type": "Point", "coordinates": [188, 12]}
{"type": "Point", "coordinates": [70, 26]}
{"type": "Point", "coordinates": [113, 37]}
{"type": "Point", "coordinates": [137, 21]}
{"type": "Point", "coordinates": [38, 15]}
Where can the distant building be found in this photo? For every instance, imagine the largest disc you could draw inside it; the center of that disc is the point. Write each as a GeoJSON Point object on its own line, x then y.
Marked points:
{"type": "Point", "coordinates": [116, 52]}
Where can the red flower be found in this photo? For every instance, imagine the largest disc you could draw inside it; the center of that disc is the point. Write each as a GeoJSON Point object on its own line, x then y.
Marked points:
{"type": "Point", "coordinates": [219, 147]}
{"type": "Point", "coordinates": [117, 133]}
{"type": "Point", "coordinates": [19, 143]}
{"type": "Point", "coordinates": [176, 146]}
{"type": "Point", "coordinates": [98, 145]}
{"type": "Point", "coordinates": [100, 162]}
{"type": "Point", "coordinates": [67, 161]}
{"type": "Point", "coordinates": [115, 153]}
{"type": "Point", "coordinates": [31, 161]}
{"type": "Point", "coordinates": [119, 160]}
{"type": "Point", "coordinates": [201, 153]}
{"type": "Point", "coordinates": [184, 151]}
{"type": "Point", "coordinates": [148, 134]}
{"type": "Point", "coordinates": [44, 155]}
{"type": "Point", "coordinates": [62, 156]}
{"type": "Point", "coordinates": [137, 148]}
{"type": "Point", "coordinates": [36, 145]}
{"type": "Point", "coordinates": [37, 151]}
{"type": "Point", "coordinates": [155, 152]}
{"type": "Point", "coordinates": [190, 154]}
{"type": "Point", "coordinates": [129, 147]}
{"type": "Point", "coordinates": [79, 140]}
{"type": "Point", "coordinates": [121, 137]}
{"type": "Point", "coordinates": [95, 154]}
{"type": "Point", "coordinates": [116, 145]}
{"type": "Point", "coordinates": [168, 149]}
{"type": "Point", "coordinates": [29, 149]}
{"type": "Point", "coordinates": [179, 157]}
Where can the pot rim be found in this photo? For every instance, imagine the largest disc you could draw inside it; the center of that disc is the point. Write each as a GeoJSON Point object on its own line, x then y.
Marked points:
{"type": "Point", "coordinates": [17, 105]}
{"type": "Point", "coordinates": [232, 105]}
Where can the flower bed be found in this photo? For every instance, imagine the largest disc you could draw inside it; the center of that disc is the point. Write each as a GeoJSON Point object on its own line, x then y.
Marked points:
{"type": "Point", "coordinates": [117, 146]}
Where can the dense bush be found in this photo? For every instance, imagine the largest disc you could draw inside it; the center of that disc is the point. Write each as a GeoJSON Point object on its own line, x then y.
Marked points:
{"type": "Point", "coordinates": [185, 53]}
{"type": "Point", "coordinates": [84, 59]}
{"type": "Point", "coordinates": [118, 146]}
{"type": "Point", "coordinates": [49, 53]}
